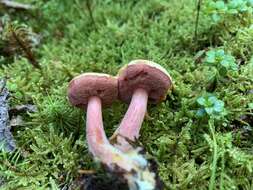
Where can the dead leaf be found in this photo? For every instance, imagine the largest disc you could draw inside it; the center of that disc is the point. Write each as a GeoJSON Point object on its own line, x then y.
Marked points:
{"type": "Point", "coordinates": [16, 5]}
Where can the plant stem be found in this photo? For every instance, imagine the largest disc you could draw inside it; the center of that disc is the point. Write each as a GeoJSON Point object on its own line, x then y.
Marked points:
{"type": "Point", "coordinates": [197, 20]}
{"type": "Point", "coordinates": [215, 157]}
{"type": "Point", "coordinates": [222, 169]}
{"type": "Point", "coordinates": [88, 5]}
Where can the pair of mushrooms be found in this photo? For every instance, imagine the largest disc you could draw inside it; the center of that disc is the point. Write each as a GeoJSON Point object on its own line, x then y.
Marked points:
{"type": "Point", "coordinates": [138, 82]}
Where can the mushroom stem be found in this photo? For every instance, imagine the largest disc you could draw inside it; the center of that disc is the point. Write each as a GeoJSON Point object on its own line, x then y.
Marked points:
{"type": "Point", "coordinates": [95, 134]}
{"type": "Point", "coordinates": [98, 143]}
{"type": "Point", "coordinates": [131, 163]}
{"type": "Point", "coordinates": [131, 123]}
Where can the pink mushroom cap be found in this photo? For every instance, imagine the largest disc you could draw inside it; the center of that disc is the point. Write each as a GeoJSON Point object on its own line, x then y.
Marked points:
{"type": "Point", "coordinates": [84, 86]}
{"type": "Point", "coordinates": [146, 75]}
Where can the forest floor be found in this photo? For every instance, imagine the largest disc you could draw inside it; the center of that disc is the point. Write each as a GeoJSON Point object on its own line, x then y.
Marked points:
{"type": "Point", "coordinates": [200, 136]}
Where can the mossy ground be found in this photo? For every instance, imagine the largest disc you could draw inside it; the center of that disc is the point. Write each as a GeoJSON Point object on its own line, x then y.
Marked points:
{"type": "Point", "coordinates": [192, 153]}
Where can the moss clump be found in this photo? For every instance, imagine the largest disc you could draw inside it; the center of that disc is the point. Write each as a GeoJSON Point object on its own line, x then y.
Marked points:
{"type": "Point", "coordinates": [192, 152]}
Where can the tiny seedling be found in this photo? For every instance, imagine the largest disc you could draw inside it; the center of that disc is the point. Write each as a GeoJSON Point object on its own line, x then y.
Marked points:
{"type": "Point", "coordinates": [210, 106]}
{"type": "Point", "coordinates": [222, 61]}
{"type": "Point", "coordinates": [219, 10]}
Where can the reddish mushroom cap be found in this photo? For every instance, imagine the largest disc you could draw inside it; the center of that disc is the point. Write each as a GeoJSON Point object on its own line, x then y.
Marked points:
{"type": "Point", "coordinates": [92, 84]}
{"type": "Point", "coordinates": [146, 75]}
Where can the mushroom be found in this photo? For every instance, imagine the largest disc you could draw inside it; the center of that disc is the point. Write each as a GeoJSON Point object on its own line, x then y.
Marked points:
{"type": "Point", "coordinates": [91, 90]}
{"type": "Point", "coordinates": [140, 82]}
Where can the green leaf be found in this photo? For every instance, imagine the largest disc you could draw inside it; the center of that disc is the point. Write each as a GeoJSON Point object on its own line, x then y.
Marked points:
{"type": "Point", "coordinates": [201, 101]}
{"type": "Point", "coordinates": [220, 5]}
{"type": "Point", "coordinates": [220, 54]}
{"type": "Point", "coordinates": [209, 110]}
{"type": "Point", "coordinates": [222, 61]}
{"type": "Point", "coordinates": [212, 99]}
{"type": "Point", "coordinates": [210, 57]}
{"type": "Point", "coordinates": [225, 63]}
{"type": "Point", "coordinates": [211, 106]}
{"type": "Point", "coordinates": [216, 18]}
{"type": "Point", "coordinates": [219, 106]}
{"type": "Point", "coordinates": [200, 112]}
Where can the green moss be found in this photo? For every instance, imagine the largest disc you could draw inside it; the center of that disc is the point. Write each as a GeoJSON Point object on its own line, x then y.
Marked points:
{"type": "Point", "coordinates": [192, 153]}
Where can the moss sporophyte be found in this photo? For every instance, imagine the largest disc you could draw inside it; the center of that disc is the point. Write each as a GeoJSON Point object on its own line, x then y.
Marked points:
{"type": "Point", "coordinates": [139, 81]}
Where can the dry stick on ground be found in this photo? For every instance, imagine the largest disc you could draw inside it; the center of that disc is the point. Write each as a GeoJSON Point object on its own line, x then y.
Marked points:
{"type": "Point", "coordinates": [197, 20]}
{"type": "Point", "coordinates": [27, 51]}
{"type": "Point", "coordinates": [6, 138]}
{"type": "Point", "coordinates": [15, 5]}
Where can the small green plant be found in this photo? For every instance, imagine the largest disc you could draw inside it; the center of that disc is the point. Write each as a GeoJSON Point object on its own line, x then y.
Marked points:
{"type": "Point", "coordinates": [210, 106]}
{"type": "Point", "coordinates": [222, 61]}
{"type": "Point", "coordinates": [228, 10]}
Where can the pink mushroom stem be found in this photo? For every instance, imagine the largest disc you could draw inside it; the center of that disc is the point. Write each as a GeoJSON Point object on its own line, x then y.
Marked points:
{"type": "Point", "coordinates": [95, 134]}
{"type": "Point", "coordinates": [131, 123]}
{"type": "Point", "coordinates": [99, 145]}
